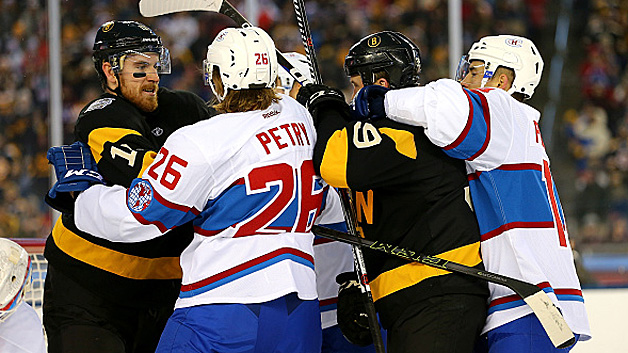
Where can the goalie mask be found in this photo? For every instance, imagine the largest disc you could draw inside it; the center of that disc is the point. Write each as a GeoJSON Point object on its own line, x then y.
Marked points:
{"type": "Point", "coordinates": [245, 59]}
{"type": "Point", "coordinates": [299, 61]}
{"type": "Point", "coordinates": [15, 276]}
{"type": "Point", "coordinates": [513, 52]}
{"type": "Point", "coordinates": [116, 39]}
{"type": "Point", "coordinates": [387, 51]}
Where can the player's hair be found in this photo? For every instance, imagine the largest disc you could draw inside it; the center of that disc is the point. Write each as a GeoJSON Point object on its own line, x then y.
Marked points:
{"type": "Point", "coordinates": [243, 100]}
{"type": "Point", "coordinates": [510, 73]}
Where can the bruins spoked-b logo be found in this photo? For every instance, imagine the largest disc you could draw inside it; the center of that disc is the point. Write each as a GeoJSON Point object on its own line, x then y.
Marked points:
{"type": "Point", "coordinates": [107, 26]}
{"type": "Point", "coordinates": [374, 41]}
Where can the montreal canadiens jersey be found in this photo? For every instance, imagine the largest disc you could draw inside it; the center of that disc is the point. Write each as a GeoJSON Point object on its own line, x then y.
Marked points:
{"type": "Point", "coordinates": [247, 183]}
{"type": "Point", "coordinates": [331, 259]}
{"type": "Point", "coordinates": [524, 234]}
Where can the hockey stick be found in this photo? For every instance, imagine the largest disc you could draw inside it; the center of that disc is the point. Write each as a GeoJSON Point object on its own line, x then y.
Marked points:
{"type": "Point", "coordinates": [345, 196]}
{"type": "Point", "coordinates": [548, 314]}
{"type": "Point", "coordinates": [152, 8]}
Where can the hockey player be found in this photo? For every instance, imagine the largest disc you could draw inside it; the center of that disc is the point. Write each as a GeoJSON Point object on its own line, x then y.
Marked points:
{"type": "Point", "coordinates": [245, 179]}
{"type": "Point", "coordinates": [331, 258]}
{"type": "Point", "coordinates": [21, 330]}
{"type": "Point", "coordinates": [406, 192]}
{"type": "Point", "coordinates": [524, 234]}
{"type": "Point", "coordinates": [101, 296]}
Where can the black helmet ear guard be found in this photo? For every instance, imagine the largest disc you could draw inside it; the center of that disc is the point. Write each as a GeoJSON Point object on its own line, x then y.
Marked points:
{"type": "Point", "coordinates": [391, 52]}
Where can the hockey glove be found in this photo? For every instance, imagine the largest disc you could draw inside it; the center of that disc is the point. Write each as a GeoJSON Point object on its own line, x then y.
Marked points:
{"type": "Point", "coordinates": [312, 95]}
{"type": "Point", "coordinates": [76, 171]}
{"type": "Point", "coordinates": [369, 103]}
{"type": "Point", "coordinates": [353, 320]}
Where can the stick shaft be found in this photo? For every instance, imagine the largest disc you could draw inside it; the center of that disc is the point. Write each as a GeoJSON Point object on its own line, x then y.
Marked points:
{"type": "Point", "coordinates": [550, 317]}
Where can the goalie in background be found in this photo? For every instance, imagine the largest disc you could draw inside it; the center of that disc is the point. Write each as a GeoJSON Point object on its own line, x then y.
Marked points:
{"type": "Point", "coordinates": [331, 258]}
{"type": "Point", "coordinates": [21, 330]}
{"type": "Point", "coordinates": [482, 120]}
{"type": "Point", "coordinates": [407, 192]}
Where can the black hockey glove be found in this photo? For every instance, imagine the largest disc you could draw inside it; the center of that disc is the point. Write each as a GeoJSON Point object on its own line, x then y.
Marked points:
{"type": "Point", "coordinates": [312, 95]}
{"type": "Point", "coordinates": [353, 320]}
{"type": "Point", "coordinates": [369, 103]}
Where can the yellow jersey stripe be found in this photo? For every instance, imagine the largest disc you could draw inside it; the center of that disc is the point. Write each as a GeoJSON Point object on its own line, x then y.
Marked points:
{"type": "Point", "coordinates": [98, 137]}
{"type": "Point", "coordinates": [334, 164]}
{"type": "Point", "coordinates": [408, 275]}
{"type": "Point", "coordinates": [124, 265]}
{"type": "Point", "coordinates": [404, 141]}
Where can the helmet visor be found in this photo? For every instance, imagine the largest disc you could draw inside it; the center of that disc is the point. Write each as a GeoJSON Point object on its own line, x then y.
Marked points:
{"type": "Point", "coordinates": [463, 68]}
{"type": "Point", "coordinates": [163, 64]}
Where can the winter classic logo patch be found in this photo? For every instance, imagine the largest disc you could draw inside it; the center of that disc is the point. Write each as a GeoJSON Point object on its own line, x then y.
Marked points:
{"type": "Point", "coordinates": [99, 104]}
{"type": "Point", "coordinates": [140, 196]}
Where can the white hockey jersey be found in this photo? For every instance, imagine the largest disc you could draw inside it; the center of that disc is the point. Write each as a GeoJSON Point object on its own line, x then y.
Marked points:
{"type": "Point", "coordinates": [523, 229]}
{"type": "Point", "coordinates": [247, 182]}
{"type": "Point", "coordinates": [22, 332]}
{"type": "Point", "coordinates": [331, 258]}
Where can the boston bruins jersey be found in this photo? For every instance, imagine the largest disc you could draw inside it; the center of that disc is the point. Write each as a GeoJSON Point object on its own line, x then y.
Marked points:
{"type": "Point", "coordinates": [406, 192]}
{"type": "Point", "coordinates": [124, 141]}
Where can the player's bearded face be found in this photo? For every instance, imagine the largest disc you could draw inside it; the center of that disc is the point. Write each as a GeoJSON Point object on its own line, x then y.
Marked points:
{"type": "Point", "coordinates": [142, 90]}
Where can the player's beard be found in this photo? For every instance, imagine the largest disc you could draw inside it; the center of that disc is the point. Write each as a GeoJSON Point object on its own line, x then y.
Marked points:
{"type": "Point", "coordinates": [144, 102]}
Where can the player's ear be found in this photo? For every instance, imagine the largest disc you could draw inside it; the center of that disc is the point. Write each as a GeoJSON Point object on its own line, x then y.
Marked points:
{"type": "Point", "coordinates": [112, 79]}
{"type": "Point", "coordinates": [383, 82]}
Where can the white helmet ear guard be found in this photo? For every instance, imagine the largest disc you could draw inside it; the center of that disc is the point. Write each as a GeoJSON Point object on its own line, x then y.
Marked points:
{"type": "Point", "coordinates": [15, 276]}
{"type": "Point", "coordinates": [513, 52]}
{"type": "Point", "coordinates": [245, 58]}
{"type": "Point", "coordinates": [299, 61]}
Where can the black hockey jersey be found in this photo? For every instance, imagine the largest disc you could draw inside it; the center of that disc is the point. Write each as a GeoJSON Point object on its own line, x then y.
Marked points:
{"type": "Point", "coordinates": [124, 141]}
{"type": "Point", "coordinates": [406, 192]}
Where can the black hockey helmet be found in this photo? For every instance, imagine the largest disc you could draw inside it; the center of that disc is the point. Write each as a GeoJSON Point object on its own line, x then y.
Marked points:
{"type": "Point", "coordinates": [117, 38]}
{"type": "Point", "coordinates": [387, 51]}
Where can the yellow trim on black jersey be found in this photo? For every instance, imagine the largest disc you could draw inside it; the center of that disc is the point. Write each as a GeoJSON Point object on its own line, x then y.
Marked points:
{"type": "Point", "coordinates": [98, 137]}
{"type": "Point", "coordinates": [334, 164]}
{"type": "Point", "coordinates": [149, 157]}
{"type": "Point", "coordinates": [404, 141]}
{"type": "Point", "coordinates": [408, 275]}
{"type": "Point", "coordinates": [124, 265]}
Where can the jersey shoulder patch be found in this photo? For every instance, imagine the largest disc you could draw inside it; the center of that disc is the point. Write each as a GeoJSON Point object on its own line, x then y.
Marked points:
{"type": "Point", "coordinates": [99, 104]}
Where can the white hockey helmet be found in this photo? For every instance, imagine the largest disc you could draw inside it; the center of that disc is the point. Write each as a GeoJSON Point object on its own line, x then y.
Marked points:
{"type": "Point", "coordinates": [514, 52]}
{"type": "Point", "coordinates": [15, 276]}
{"type": "Point", "coordinates": [299, 61]}
{"type": "Point", "coordinates": [245, 57]}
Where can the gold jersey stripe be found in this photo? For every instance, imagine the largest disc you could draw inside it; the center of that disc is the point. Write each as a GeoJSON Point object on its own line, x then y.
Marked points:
{"type": "Point", "coordinates": [149, 157]}
{"type": "Point", "coordinates": [334, 164]}
{"type": "Point", "coordinates": [404, 141]}
{"type": "Point", "coordinates": [124, 265]}
{"type": "Point", "coordinates": [408, 275]}
{"type": "Point", "coordinates": [98, 137]}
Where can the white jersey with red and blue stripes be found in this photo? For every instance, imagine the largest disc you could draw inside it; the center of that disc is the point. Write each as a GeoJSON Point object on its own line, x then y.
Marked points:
{"type": "Point", "coordinates": [247, 183]}
{"type": "Point", "coordinates": [524, 234]}
{"type": "Point", "coordinates": [331, 259]}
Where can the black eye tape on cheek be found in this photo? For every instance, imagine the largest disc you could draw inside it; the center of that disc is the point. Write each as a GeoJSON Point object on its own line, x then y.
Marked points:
{"type": "Point", "coordinates": [139, 74]}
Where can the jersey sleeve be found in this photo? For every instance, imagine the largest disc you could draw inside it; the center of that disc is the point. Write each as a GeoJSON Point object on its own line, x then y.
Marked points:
{"type": "Point", "coordinates": [360, 155]}
{"type": "Point", "coordinates": [115, 133]}
{"type": "Point", "coordinates": [462, 122]}
{"type": "Point", "coordinates": [172, 191]}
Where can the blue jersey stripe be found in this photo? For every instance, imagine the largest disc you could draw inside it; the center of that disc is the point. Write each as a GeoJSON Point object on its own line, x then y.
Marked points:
{"type": "Point", "coordinates": [474, 138]}
{"type": "Point", "coordinates": [242, 273]}
{"type": "Point", "coordinates": [511, 198]}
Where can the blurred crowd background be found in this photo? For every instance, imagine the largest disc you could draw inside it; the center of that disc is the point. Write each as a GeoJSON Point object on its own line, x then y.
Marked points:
{"type": "Point", "coordinates": [589, 147]}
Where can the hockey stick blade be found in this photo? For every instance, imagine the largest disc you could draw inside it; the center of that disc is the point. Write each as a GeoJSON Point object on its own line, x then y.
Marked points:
{"type": "Point", "coordinates": [152, 8]}
{"type": "Point", "coordinates": [548, 314]}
